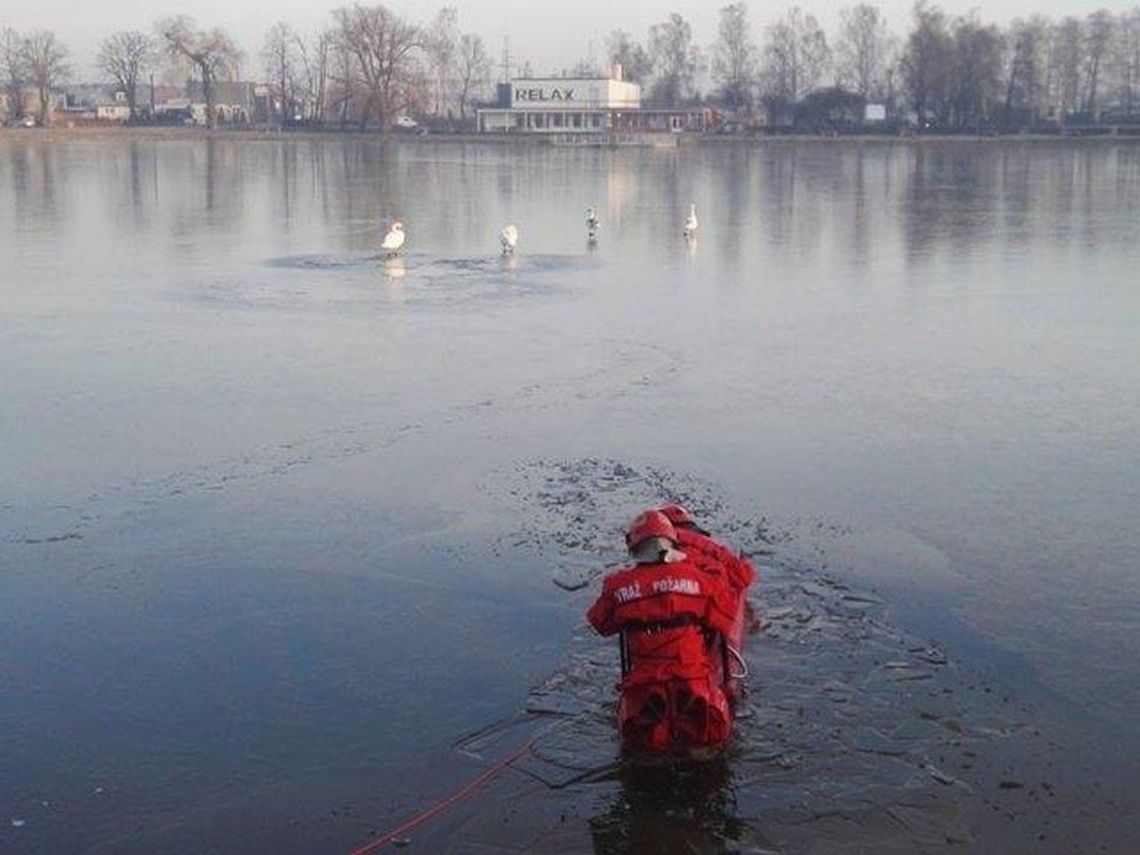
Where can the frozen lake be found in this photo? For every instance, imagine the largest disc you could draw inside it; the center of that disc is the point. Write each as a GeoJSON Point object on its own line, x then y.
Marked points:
{"type": "Point", "coordinates": [279, 517]}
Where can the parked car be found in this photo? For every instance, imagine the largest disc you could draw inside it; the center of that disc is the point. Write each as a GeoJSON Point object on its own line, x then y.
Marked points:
{"type": "Point", "coordinates": [405, 123]}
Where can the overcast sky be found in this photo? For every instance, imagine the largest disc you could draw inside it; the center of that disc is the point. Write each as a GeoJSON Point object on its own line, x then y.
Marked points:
{"type": "Point", "coordinates": [551, 35]}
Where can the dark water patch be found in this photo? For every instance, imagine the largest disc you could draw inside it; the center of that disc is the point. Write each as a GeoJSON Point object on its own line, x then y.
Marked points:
{"type": "Point", "coordinates": [520, 262]}
{"type": "Point", "coordinates": [359, 290]}
{"type": "Point", "coordinates": [360, 279]}
{"type": "Point", "coordinates": [53, 538]}
{"type": "Point", "coordinates": [576, 510]}
{"type": "Point", "coordinates": [331, 262]}
{"type": "Point", "coordinates": [44, 525]}
{"type": "Point", "coordinates": [516, 263]}
{"type": "Point", "coordinates": [854, 734]}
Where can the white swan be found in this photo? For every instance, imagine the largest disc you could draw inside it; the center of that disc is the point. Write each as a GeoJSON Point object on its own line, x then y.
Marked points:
{"type": "Point", "coordinates": [509, 238]}
{"type": "Point", "coordinates": [592, 224]}
{"type": "Point", "coordinates": [394, 239]}
{"type": "Point", "coordinates": [691, 223]}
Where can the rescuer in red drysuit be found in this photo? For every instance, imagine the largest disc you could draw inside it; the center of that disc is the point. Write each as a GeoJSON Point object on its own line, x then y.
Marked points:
{"type": "Point", "coordinates": [699, 545]}
{"type": "Point", "coordinates": [673, 618]}
{"type": "Point", "coordinates": [714, 557]}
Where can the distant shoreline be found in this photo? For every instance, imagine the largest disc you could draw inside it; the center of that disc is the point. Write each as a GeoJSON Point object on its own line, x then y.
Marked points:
{"type": "Point", "coordinates": [163, 134]}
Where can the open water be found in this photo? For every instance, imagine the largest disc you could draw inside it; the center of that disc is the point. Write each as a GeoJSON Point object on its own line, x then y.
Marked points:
{"type": "Point", "coordinates": [280, 518]}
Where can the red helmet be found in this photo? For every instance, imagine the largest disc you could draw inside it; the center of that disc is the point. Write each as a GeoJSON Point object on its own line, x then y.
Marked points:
{"type": "Point", "coordinates": [677, 515]}
{"type": "Point", "coordinates": [649, 524]}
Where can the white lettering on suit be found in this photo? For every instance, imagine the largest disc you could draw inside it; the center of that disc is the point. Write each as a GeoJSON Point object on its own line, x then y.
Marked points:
{"type": "Point", "coordinates": [673, 585]}
{"type": "Point", "coordinates": [629, 592]}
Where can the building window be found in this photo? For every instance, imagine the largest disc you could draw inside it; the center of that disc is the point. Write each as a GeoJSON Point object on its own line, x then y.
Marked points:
{"type": "Point", "coordinates": [577, 120]}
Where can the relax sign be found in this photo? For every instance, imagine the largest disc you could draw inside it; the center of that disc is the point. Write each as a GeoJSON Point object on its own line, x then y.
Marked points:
{"type": "Point", "coordinates": [571, 94]}
{"type": "Point", "coordinates": [542, 94]}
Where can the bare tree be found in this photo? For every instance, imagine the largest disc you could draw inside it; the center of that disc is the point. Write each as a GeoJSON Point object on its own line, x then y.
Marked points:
{"type": "Point", "coordinates": [584, 67]}
{"type": "Point", "coordinates": [280, 57]}
{"type": "Point", "coordinates": [795, 55]}
{"type": "Point", "coordinates": [926, 62]}
{"type": "Point", "coordinates": [734, 55]}
{"type": "Point", "coordinates": [1026, 73]}
{"type": "Point", "coordinates": [1127, 60]}
{"type": "Point", "coordinates": [45, 62]}
{"type": "Point", "coordinates": [1066, 59]}
{"type": "Point", "coordinates": [1100, 27]}
{"type": "Point", "coordinates": [441, 45]}
{"type": "Point", "coordinates": [314, 56]}
{"type": "Point", "coordinates": [861, 54]}
{"type": "Point", "coordinates": [632, 57]}
{"type": "Point", "coordinates": [123, 57]}
{"type": "Point", "coordinates": [474, 69]}
{"type": "Point", "coordinates": [13, 72]}
{"type": "Point", "coordinates": [383, 48]}
{"type": "Point", "coordinates": [212, 53]}
{"type": "Point", "coordinates": [975, 74]}
{"type": "Point", "coordinates": [344, 89]}
{"type": "Point", "coordinates": [675, 59]}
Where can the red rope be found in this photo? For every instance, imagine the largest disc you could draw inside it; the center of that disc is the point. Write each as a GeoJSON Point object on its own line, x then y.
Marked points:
{"type": "Point", "coordinates": [443, 804]}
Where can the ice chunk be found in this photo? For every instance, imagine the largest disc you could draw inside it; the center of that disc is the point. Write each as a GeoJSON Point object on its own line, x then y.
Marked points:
{"type": "Point", "coordinates": [574, 577]}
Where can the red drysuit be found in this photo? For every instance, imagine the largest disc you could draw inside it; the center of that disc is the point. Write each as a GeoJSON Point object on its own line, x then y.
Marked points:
{"type": "Point", "coordinates": [673, 618]}
{"type": "Point", "coordinates": [707, 551]}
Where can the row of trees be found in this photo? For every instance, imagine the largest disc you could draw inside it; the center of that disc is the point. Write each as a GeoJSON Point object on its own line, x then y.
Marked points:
{"type": "Point", "coordinates": [954, 72]}
{"type": "Point", "coordinates": [370, 64]}
{"type": "Point", "coordinates": [794, 58]}
{"type": "Point", "coordinates": [367, 66]}
{"type": "Point", "coordinates": [960, 73]}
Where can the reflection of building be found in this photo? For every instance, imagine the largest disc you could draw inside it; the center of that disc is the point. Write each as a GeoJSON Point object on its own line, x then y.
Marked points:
{"type": "Point", "coordinates": [581, 106]}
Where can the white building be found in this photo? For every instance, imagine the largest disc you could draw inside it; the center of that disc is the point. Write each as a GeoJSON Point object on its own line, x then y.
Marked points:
{"type": "Point", "coordinates": [116, 110]}
{"type": "Point", "coordinates": [583, 106]}
{"type": "Point", "coordinates": [561, 105]}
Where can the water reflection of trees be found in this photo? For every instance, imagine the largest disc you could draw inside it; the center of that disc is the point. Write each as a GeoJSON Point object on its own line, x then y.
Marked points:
{"type": "Point", "coordinates": [676, 807]}
{"type": "Point", "coordinates": [139, 195]}
{"type": "Point", "coordinates": [786, 210]}
{"type": "Point", "coordinates": [942, 207]}
{"type": "Point", "coordinates": [36, 174]}
{"type": "Point", "coordinates": [962, 197]}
